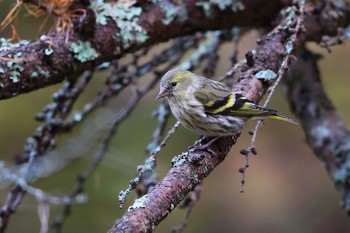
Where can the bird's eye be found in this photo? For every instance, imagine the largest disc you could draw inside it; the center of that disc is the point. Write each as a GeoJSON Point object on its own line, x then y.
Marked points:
{"type": "Point", "coordinates": [173, 84]}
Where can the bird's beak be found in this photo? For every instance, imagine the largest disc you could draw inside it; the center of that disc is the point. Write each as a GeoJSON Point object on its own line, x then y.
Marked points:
{"type": "Point", "coordinates": [162, 93]}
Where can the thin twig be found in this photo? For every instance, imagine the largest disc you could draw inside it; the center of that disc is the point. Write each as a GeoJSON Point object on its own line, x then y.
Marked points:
{"type": "Point", "coordinates": [42, 141]}
{"type": "Point", "coordinates": [236, 37]}
{"type": "Point", "coordinates": [288, 58]}
{"type": "Point", "coordinates": [123, 78]}
{"type": "Point", "coordinates": [189, 203]}
{"type": "Point", "coordinates": [82, 178]}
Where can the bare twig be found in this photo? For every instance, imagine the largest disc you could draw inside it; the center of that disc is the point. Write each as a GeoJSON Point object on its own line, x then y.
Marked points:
{"type": "Point", "coordinates": [43, 140]}
{"type": "Point", "coordinates": [236, 37]}
{"type": "Point", "coordinates": [189, 203]}
{"type": "Point", "coordinates": [295, 16]}
{"type": "Point", "coordinates": [102, 151]}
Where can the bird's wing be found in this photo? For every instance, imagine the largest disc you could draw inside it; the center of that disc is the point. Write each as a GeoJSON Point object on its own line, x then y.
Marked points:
{"type": "Point", "coordinates": [213, 99]}
{"type": "Point", "coordinates": [224, 102]}
{"type": "Point", "coordinates": [221, 100]}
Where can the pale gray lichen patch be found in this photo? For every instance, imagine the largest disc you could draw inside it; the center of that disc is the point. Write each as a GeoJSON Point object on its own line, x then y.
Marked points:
{"type": "Point", "coordinates": [173, 12]}
{"type": "Point", "coordinates": [195, 178]}
{"type": "Point", "coordinates": [342, 152]}
{"type": "Point", "coordinates": [178, 160]}
{"type": "Point", "coordinates": [7, 45]}
{"type": "Point", "coordinates": [83, 51]}
{"type": "Point", "coordinates": [342, 174]}
{"type": "Point", "coordinates": [233, 5]}
{"type": "Point", "coordinates": [347, 32]}
{"type": "Point", "coordinates": [139, 203]}
{"type": "Point", "coordinates": [125, 16]}
{"type": "Point", "coordinates": [34, 74]}
{"type": "Point", "coordinates": [320, 134]}
{"type": "Point", "coordinates": [15, 64]}
{"type": "Point", "coordinates": [41, 71]}
{"type": "Point", "coordinates": [266, 75]}
{"type": "Point", "coordinates": [48, 51]}
{"type": "Point", "coordinates": [104, 65]}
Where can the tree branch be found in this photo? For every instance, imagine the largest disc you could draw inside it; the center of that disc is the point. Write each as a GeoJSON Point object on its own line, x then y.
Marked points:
{"type": "Point", "coordinates": [27, 66]}
{"type": "Point", "coordinates": [188, 170]}
{"type": "Point", "coordinates": [325, 131]}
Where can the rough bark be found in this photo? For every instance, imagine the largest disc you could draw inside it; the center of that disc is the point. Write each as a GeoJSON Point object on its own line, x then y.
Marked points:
{"type": "Point", "coordinates": [325, 131]}
{"type": "Point", "coordinates": [61, 64]}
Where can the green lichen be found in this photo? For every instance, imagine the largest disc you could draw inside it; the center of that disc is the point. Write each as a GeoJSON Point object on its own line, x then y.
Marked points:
{"type": "Point", "coordinates": [266, 75]}
{"type": "Point", "coordinates": [148, 166]}
{"type": "Point", "coordinates": [2, 71]}
{"type": "Point", "coordinates": [125, 17]}
{"type": "Point", "coordinates": [172, 12]}
{"type": "Point", "coordinates": [342, 174]}
{"type": "Point", "coordinates": [342, 152]}
{"type": "Point", "coordinates": [7, 45]}
{"type": "Point", "coordinates": [195, 178]}
{"type": "Point", "coordinates": [104, 65]}
{"type": "Point", "coordinates": [139, 203]}
{"type": "Point", "coordinates": [178, 160]}
{"type": "Point", "coordinates": [233, 5]}
{"type": "Point", "coordinates": [83, 51]}
{"type": "Point", "coordinates": [321, 134]}
{"type": "Point", "coordinates": [34, 74]}
{"type": "Point", "coordinates": [122, 196]}
{"type": "Point", "coordinates": [41, 71]}
{"type": "Point", "coordinates": [347, 32]}
{"type": "Point", "coordinates": [207, 8]}
{"type": "Point", "coordinates": [289, 46]}
{"type": "Point", "coordinates": [78, 117]}
{"type": "Point", "coordinates": [15, 64]}
{"type": "Point", "coordinates": [291, 13]}
{"type": "Point", "coordinates": [48, 51]}
{"type": "Point", "coordinates": [100, 12]}
{"type": "Point", "coordinates": [15, 75]}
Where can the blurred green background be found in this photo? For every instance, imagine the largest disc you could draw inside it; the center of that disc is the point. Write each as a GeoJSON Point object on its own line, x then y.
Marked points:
{"type": "Point", "coordinates": [287, 188]}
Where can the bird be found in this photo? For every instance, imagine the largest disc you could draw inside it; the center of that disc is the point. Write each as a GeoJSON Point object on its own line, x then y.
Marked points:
{"type": "Point", "coordinates": [210, 108]}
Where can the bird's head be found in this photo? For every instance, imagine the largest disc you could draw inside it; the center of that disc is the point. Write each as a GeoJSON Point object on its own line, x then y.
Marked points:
{"type": "Point", "coordinates": [176, 82]}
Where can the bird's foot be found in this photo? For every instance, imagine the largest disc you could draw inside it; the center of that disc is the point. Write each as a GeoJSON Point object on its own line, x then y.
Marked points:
{"type": "Point", "coordinates": [207, 145]}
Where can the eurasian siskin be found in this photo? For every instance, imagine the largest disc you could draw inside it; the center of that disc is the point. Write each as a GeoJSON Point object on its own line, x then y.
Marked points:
{"type": "Point", "coordinates": [208, 107]}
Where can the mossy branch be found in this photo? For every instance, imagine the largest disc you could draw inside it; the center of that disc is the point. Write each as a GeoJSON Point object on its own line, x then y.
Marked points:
{"type": "Point", "coordinates": [325, 131]}
{"type": "Point", "coordinates": [97, 38]}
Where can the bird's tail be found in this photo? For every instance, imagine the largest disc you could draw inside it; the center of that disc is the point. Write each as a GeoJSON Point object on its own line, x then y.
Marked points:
{"type": "Point", "coordinates": [278, 116]}
{"type": "Point", "coordinates": [260, 113]}
{"type": "Point", "coordinates": [256, 112]}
